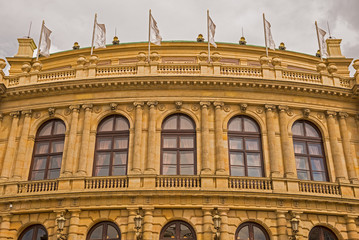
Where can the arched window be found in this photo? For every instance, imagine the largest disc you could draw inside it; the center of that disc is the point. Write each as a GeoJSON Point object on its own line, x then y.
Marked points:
{"type": "Point", "coordinates": [34, 232]}
{"type": "Point", "coordinates": [104, 231]}
{"type": "Point", "coordinates": [309, 152]}
{"type": "Point", "coordinates": [245, 147]}
{"type": "Point", "coordinates": [321, 233]}
{"type": "Point", "coordinates": [111, 151]}
{"type": "Point", "coordinates": [178, 146]}
{"type": "Point", "coordinates": [47, 154]}
{"type": "Point", "coordinates": [177, 230]}
{"type": "Point", "coordinates": [251, 231]}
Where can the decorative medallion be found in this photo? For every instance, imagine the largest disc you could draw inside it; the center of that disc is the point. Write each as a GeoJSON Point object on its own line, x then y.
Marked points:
{"type": "Point", "coordinates": [37, 115]}
{"type": "Point", "coordinates": [97, 109]}
{"type": "Point", "coordinates": [226, 108]}
{"type": "Point", "coordinates": [161, 107]}
{"type": "Point", "coordinates": [130, 108]}
{"type": "Point", "coordinates": [195, 107]}
{"type": "Point", "coordinates": [67, 111]}
{"type": "Point", "coordinates": [259, 110]}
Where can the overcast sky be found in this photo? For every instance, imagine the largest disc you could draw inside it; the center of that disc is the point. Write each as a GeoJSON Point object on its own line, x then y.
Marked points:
{"type": "Point", "coordinates": [292, 21]}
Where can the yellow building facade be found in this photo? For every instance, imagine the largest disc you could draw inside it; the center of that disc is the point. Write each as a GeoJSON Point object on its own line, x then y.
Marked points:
{"type": "Point", "coordinates": [244, 146]}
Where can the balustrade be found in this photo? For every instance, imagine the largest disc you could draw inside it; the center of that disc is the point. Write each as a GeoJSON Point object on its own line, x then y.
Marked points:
{"type": "Point", "coordinates": [106, 183]}
{"type": "Point", "coordinates": [319, 188]}
{"type": "Point", "coordinates": [249, 183]}
{"type": "Point", "coordinates": [38, 186]}
{"type": "Point", "coordinates": [178, 182]}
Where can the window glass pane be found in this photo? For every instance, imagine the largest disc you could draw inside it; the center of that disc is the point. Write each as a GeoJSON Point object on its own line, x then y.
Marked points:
{"type": "Point", "coordinates": [319, 176]}
{"type": "Point", "coordinates": [112, 232]}
{"type": "Point", "coordinates": [185, 123]}
{"type": "Point", "coordinates": [303, 175]}
{"type": "Point", "coordinates": [169, 170]}
{"type": "Point", "coordinates": [186, 157]}
{"type": "Point", "coordinates": [235, 143]}
{"type": "Point", "coordinates": [252, 144]}
{"type": "Point", "coordinates": [317, 164]}
{"type": "Point", "coordinates": [243, 233]}
{"type": "Point", "coordinates": [250, 125]}
{"type": "Point", "coordinates": [311, 132]}
{"type": "Point", "coordinates": [237, 171]}
{"type": "Point", "coordinates": [253, 159]}
{"type": "Point", "coordinates": [297, 129]}
{"type": "Point", "coordinates": [53, 174]}
{"type": "Point", "coordinates": [46, 130]}
{"type": "Point", "coordinates": [41, 235]}
{"type": "Point", "coordinates": [28, 234]}
{"type": "Point", "coordinates": [185, 232]}
{"type": "Point", "coordinates": [169, 157]}
{"type": "Point", "coordinates": [102, 171]}
{"type": "Point", "coordinates": [39, 163]}
{"type": "Point", "coordinates": [104, 143]}
{"type": "Point", "coordinates": [97, 233]}
{"type": "Point", "coordinates": [258, 234]}
{"type": "Point", "coordinates": [235, 125]}
{"type": "Point", "coordinates": [302, 162]}
{"type": "Point", "coordinates": [119, 158]}
{"type": "Point", "coordinates": [42, 148]}
{"type": "Point", "coordinates": [299, 147]}
{"type": "Point", "coordinates": [106, 125]}
{"type": "Point", "coordinates": [121, 124]}
{"type": "Point", "coordinates": [328, 235]}
{"type": "Point", "coordinates": [121, 143]}
{"type": "Point", "coordinates": [170, 231]}
{"type": "Point", "coordinates": [118, 170]}
{"type": "Point", "coordinates": [55, 161]}
{"type": "Point", "coordinates": [38, 175]}
{"type": "Point", "coordinates": [254, 172]}
{"type": "Point", "coordinates": [186, 142]}
{"type": "Point", "coordinates": [170, 123]}
{"type": "Point", "coordinates": [186, 170]}
{"type": "Point", "coordinates": [314, 234]}
{"type": "Point", "coordinates": [315, 148]}
{"type": "Point", "coordinates": [59, 128]}
{"type": "Point", "coordinates": [57, 146]}
{"type": "Point", "coordinates": [169, 142]}
{"type": "Point", "coordinates": [236, 158]}
{"type": "Point", "coordinates": [103, 159]}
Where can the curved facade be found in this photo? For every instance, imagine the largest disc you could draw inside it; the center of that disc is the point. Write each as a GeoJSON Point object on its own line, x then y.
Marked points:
{"type": "Point", "coordinates": [238, 148]}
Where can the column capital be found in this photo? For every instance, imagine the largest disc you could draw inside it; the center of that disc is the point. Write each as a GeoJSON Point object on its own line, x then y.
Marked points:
{"type": "Point", "coordinates": [223, 211]}
{"type": "Point", "coordinates": [87, 107]}
{"type": "Point", "coordinates": [343, 115]}
{"type": "Point", "coordinates": [207, 210]}
{"type": "Point", "coordinates": [74, 108]}
{"type": "Point", "coordinates": [282, 108]}
{"type": "Point", "coordinates": [15, 114]}
{"type": "Point", "coordinates": [138, 104]}
{"type": "Point", "coordinates": [269, 107]}
{"type": "Point", "coordinates": [218, 104]}
{"type": "Point", "coordinates": [27, 113]}
{"type": "Point", "coordinates": [152, 104]}
{"type": "Point", "coordinates": [330, 113]}
{"type": "Point", "coordinates": [205, 104]}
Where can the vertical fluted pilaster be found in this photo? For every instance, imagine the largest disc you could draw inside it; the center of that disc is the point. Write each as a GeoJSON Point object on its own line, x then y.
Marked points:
{"type": "Point", "coordinates": [82, 164]}
{"type": "Point", "coordinates": [223, 213]}
{"type": "Point", "coordinates": [220, 169]}
{"type": "Point", "coordinates": [346, 146]}
{"type": "Point", "coordinates": [70, 158]}
{"type": "Point", "coordinates": [74, 224]}
{"type": "Point", "coordinates": [207, 223]}
{"type": "Point", "coordinates": [272, 146]}
{"type": "Point", "coordinates": [131, 223]}
{"type": "Point", "coordinates": [338, 160]}
{"type": "Point", "coordinates": [10, 148]}
{"type": "Point", "coordinates": [21, 153]}
{"type": "Point", "coordinates": [205, 137]}
{"type": "Point", "coordinates": [282, 225]}
{"type": "Point", "coordinates": [151, 143]}
{"type": "Point", "coordinates": [287, 144]}
{"type": "Point", "coordinates": [148, 223]}
{"type": "Point", "coordinates": [136, 161]}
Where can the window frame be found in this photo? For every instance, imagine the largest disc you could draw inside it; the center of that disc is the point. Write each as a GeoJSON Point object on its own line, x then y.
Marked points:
{"type": "Point", "coordinates": [111, 134]}
{"type": "Point", "coordinates": [178, 133]}
{"type": "Point", "coordinates": [307, 140]}
{"type": "Point", "coordinates": [48, 139]}
{"type": "Point", "coordinates": [321, 234]}
{"type": "Point", "coordinates": [244, 136]}
{"type": "Point", "coordinates": [251, 231]}
{"type": "Point", "coordinates": [178, 224]}
{"type": "Point", "coordinates": [104, 232]}
{"type": "Point", "coordinates": [36, 228]}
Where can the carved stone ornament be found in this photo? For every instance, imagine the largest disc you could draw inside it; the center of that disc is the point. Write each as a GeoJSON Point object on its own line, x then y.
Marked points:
{"type": "Point", "coordinates": [27, 113]}
{"type": "Point", "coordinates": [243, 107]}
{"type": "Point", "coordinates": [332, 68]}
{"type": "Point", "coordinates": [97, 109]}
{"type": "Point", "coordinates": [26, 67]}
{"type": "Point", "coordinates": [15, 114]}
{"type": "Point", "coordinates": [113, 106]}
{"type": "Point", "coordinates": [37, 66]}
{"type": "Point", "coordinates": [205, 104]}
{"type": "Point", "coordinates": [195, 107]}
{"type": "Point", "coordinates": [306, 112]}
{"type": "Point", "coordinates": [178, 105]}
{"type": "Point", "coordinates": [218, 105]}
{"type": "Point", "coordinates": [321, 67]}
{"type": "Point", "coordinates": [87, 107]}
{"type": "Point", "coordinates": [93, 60]}
{"type": "Point", "coordinates": [259, 110]}
{"type": "Point", "coordinates": [51, 111]}
{"type": "Point", "coordinates": [203, 57]}
{"type": "Point", "coordinates": [161, 107]}
{"type": "Point", "coordinates": [276, 61]}
{"type": "Point", "coordinates": [138, 104]}
{"type": "Point", "coordinates": [37, 115]}
{"type": "Point", "coordinates": [130, 108]}
{"type": "Point", "coordinates": [152, 103]}
{"type": "Point", "coordinates": [269, 107]}
{"type": "Point", "coordinates": [343, 114]}
{"type": "Point", "coordinates": [355, 64]}
{"type": "Point", "coordinates": [81, 61]}
{"type": "Point", "coordinates": [216, 57]}
{"type": "Point", "coordinates": [2, 64]}
{"type": "Point", "coordinates": [67, 111]}
{"type": "Point", "coordinates": [155, 57]}
{"type": "Point", "coordinates": [330, 113]}
{"type": "Point", "coordinates": [226, 108]}
{"type": "Point", "coordinates": [264, 60]}
{"type": "Point", "coordinates": [141, 57]}
{"type": "Point", "coordinates": [320, 116]}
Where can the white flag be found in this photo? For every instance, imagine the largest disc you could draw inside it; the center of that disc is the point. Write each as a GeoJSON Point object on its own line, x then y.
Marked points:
{"type": "Point", "coordinates": [100, 38]}
{"type": "Point", "coordinates": [45, 42]}
{"type": "Point", "coordinates": [268, 34]}
{"type": "Point", "coordinates": [155, 36]}
{"type": "Point", "coordinates": [322, 44]}
{"type": "Point", "coordinates": [211, 31]}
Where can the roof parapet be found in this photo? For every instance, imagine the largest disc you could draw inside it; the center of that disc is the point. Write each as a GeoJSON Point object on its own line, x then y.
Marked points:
{"type": "Point", "coordinates": [26, 47]}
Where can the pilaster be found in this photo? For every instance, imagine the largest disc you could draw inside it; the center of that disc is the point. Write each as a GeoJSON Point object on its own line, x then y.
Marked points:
{"type": "Point", "coordinates": [205, 138]}
{"type": "Point", "coordinates": [82, 164]}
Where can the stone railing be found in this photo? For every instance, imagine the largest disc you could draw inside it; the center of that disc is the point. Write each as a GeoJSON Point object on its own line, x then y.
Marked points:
{"type": "Point", "coordinates": [178, 182]}
{"type": "Point", "coordinates": [241, 71]}
{"type": "Point", "coordinates": [13, 81]}
{"type": "Point", "coordinates": [302, 76]}
{"type": "Point", "coordinates": [56, 75]}
{"type": "Point", "coordinates": [242, 183]}
{"type": "Point", "coordinates": [106, 182]}
{"type": "Point", "coordinates": [319, 188]}
{"type": "Point", "coordinates": [116, 70]}
{"type": "Point", "coordinates": [191, 69]}
{"type": "Point", "coordinates": [38, 186]}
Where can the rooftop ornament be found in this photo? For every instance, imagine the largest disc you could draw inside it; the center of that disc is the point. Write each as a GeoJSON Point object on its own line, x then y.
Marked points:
{"type": "Point", "coordinates": [115, 41]}
{"type": "Point", "coordinates": [318, 53]}
{"type": "Point", "coordinates": [76, 46]}
{"type": "Point", "coordinates": [282, 46]}
{"type": "Point", "coordinates": [242, 41]}
{"type": "Point", "coordinates": [200, 38]}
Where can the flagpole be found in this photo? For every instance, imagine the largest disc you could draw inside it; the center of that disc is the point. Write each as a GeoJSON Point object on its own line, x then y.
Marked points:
{"type": "Point", "coordinates": [320, 49]}
{"type": "Point", "coordinates": [93, 32]}
{"type": "Point", "coordinates": [28, 35]}
{"type": "Point", "coordinates": [149, 35]}
{"type": "Point", "coordinates": [330, 35]}
{"type": "Point", "coordinates": [209, 46]}
{"type": "Point", "coordinates": [265, 33]}
{"type": "Point", "coordinates": [38, 49]}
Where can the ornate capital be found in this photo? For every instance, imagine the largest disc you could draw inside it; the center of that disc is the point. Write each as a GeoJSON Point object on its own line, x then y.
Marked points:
{"type": "Point", "coordinates": [283, 108]}
{"type": "Point", "coordinates": [27, 113]}
{"type": "Point", "coordinates": [178, 105]}
{"type": "Point", "coordinates": [204, 104]}
{"type": "Point", "coordinates": [152, 104]}
{"type": "Point", "coordinates": [218, 104]}
{"type": "Point", "coordinates": [243, 107]}
{"type": "Point", "coordinates": [87, 107]}
{"type": "Point", "coordinates": [343, 114]}
{"type": "Point", "coordinates": [14, 114]}
{"type": "Point", "coordinates": [74, 108]}
{"type": "Point", "coordinates": [269, 107]}
{"type": "Point", "coordinates": [138, 104]}
{"type": "Point", "coordinates": [51, 111]}
{"type": "Point", "coordinates": [330, 113]}
{"type": "Point", "coordinates": [306, 112]}
{"type": "Point", "coordinates": [113, 106]}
